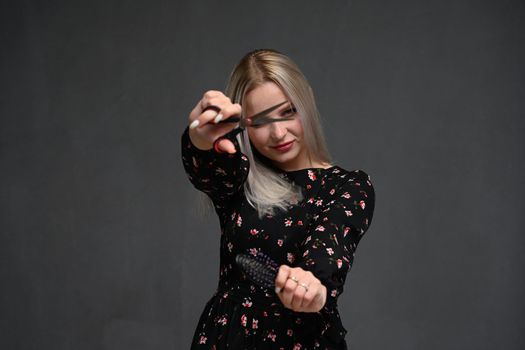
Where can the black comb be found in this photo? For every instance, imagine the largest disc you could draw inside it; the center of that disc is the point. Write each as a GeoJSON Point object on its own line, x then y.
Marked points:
{"type": "Point", "coordinates": [259, 268]}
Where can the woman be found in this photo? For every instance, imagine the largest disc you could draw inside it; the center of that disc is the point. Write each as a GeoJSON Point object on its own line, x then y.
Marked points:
{"type": "Point", "coordinates": [276, 193]}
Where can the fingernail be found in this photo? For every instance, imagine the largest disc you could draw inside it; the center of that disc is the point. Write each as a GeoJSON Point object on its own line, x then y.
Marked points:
{"type": "Point", "coordinates": [218, 118]}
{"type": "Point", "coordinates": [194, 124]}
{"type": "Point", "coordinates": [277, 290]}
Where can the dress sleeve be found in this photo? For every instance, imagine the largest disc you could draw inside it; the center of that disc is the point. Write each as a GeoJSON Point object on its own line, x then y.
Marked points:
{"type": "Point", "coordinates": [219, 175]}
{"type": "Point", "coordinates": [328, 251]}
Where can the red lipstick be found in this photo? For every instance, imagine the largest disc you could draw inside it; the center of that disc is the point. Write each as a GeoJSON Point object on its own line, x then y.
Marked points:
{"type": "Point", "coordinates": [284, 146]}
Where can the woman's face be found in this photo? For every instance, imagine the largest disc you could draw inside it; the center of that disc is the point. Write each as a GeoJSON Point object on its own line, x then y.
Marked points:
{"type": "Point", "coordinates": [267, 138]}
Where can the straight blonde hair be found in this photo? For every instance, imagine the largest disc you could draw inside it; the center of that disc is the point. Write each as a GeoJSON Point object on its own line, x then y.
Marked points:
{"type": "Point", "coordinates": [265, 189]}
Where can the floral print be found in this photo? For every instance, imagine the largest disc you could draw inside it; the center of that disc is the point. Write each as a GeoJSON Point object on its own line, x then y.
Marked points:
{"type": "Point", "coordinates": [319, 234]}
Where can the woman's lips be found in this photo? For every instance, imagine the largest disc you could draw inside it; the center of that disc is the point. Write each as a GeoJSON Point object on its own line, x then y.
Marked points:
{"type": "Point", "coordinates": [285, 146]}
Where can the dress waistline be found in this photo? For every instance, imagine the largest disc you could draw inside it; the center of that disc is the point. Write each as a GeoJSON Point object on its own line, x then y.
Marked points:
{"type": "Point", "coordinates": [250, 295]}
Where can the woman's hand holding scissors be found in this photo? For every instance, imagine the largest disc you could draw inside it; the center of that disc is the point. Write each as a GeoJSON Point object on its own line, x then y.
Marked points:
{"type": "Point", "coordinates": [299, 290]}
{"type": "Point", "coordinates": [204, 120]}
{"type": "Point", "coordinates": [215, 115]}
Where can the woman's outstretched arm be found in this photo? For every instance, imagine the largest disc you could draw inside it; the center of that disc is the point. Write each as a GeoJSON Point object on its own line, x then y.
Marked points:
{"type": "Point", "coordinates": [218, 174]}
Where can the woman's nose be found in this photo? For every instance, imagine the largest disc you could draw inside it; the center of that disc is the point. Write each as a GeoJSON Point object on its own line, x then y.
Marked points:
{"type": "Point", "coordinates": [277, 131]}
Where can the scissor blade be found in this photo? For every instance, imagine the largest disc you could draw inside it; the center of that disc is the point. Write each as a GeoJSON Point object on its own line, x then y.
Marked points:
{"type": "Point", "coordinates": [243, 121]}
{"type": "Point", "coordinates": [268, 110]}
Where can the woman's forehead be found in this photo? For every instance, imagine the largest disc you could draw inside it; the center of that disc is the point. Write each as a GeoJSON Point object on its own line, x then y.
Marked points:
{"type": "Point", "coordinates": [263, 96]}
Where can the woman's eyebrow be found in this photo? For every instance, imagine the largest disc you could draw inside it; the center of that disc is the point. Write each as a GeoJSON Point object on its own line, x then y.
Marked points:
{"type": "Point", "coordinates": [287, 106]}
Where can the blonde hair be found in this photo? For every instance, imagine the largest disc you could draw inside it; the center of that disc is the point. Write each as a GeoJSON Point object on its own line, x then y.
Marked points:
{"type": "Point", "coordinates": [264, 188]}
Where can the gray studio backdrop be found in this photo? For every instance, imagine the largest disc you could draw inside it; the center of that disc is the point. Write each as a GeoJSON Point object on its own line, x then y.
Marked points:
{"type": "Point", "coordinates": [100, 243]}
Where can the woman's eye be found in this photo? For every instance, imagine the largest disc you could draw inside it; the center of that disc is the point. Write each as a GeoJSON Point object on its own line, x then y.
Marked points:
{"type": "Point", "coordinates": [290, 111]}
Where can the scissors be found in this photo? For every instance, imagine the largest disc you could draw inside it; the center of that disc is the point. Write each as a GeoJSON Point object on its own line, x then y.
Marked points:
{"type": "Point", "coordinates": [258, 119]}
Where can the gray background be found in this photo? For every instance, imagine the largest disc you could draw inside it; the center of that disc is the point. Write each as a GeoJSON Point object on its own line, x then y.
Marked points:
{"type": "Point", "coordinates": [101, 246]}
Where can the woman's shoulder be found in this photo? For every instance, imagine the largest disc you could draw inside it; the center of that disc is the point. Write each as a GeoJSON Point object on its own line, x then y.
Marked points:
{"type": "Point", "coordinates": [343, 175]}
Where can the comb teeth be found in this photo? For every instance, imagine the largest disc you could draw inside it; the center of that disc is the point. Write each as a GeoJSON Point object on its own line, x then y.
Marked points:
{"type": "Point", "coordinates": [260, 269]}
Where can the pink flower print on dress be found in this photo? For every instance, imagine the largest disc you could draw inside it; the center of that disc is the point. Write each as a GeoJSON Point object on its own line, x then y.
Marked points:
{"type": "Point", "coordinates": [320, 228]}
{"type": "Point", "coordinates": [254, 232]}
{"type": "Point", "coordinates": [280, 242]}
{"type": "Point", "coordinates": [239, 220]}
{"type": "Point", "coordinates": [319, 202]}
{"type": "Point", "coordinates": [362, 204]}
{"type": "Point", "coordinates": [311, 175]}
{"type": "Point", "coordinates": [202, 340]}
{"type": "Point", "coordinates": [272, 335]}
{"type": "Point", "coordinates": [290, 257]}
{"type": "Point", "coordinates": [346, 230]}
{"type": "Point", "coordinates": [306, 252]}
{"type": "Point", "coordinates": [300, 223]}
{"type": "Point", "coordinates": [339, 263]}
{"type": "Point", "coordinates": [311, 200]}
{"type": "Point", "coordinates": [297, 346]}
{"type": "Point", "coordinates": [223, 320]}
{"type": "Point", "coordinates": [289, 332]}
{"type": "Point", "coordinates": [334, 293]}
{"type": "Point", "coordinates": [247, 303]}
{"type": "Point", "coordinates": [255, 324]}
{"type": "Point", "coordinates": [348, 213]}
{"type": "Point", "coordinates": [330, 251]}
{"type": "Point", "coordinates": [288, 222]}
{"type": "Point", "coordinates": [332, 191]}
{"type": "Point", "coordinates": [309, 186]}
{"type": "Point", "coordinates": [230, 246]}
{"type": "Point", "coordinates": [346, 195]}
{"type": "Point", "coordinates": [253, 251]}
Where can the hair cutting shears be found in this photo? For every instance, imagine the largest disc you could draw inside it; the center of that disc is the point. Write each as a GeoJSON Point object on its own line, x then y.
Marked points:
{"type": "Point", "coordinates": [258, 119]}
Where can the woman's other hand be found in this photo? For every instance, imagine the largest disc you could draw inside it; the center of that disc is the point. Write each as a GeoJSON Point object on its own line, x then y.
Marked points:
{"type": "Point", "coordinates": [204, 130]}
{"type": "Point", "coordinates": [299, 290]}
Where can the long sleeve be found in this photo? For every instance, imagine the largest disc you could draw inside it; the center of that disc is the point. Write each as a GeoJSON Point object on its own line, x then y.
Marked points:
{"type": "Point", "coordinates": [328, 251]}
{"type": "Point", "coordinates": [219, 175]}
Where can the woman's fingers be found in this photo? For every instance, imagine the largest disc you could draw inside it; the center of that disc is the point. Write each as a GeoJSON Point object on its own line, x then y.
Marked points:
{"type": "Point", "coordinates": [282, 276]}
{"type": "Point", "coordinates": [205, 131]}
{"type": "Point", "coordinates": [299, 290]}
{"type": "Point", "coordinates": [230, 110]}
{"type": "Point", "coordinates": [287, 293]}
{"type": "Point", "coordinates": [298, 297]}
{"type": "Point", "coordinates": [225, 145]}
{"type": "Point", "coordinates": [213, 110]}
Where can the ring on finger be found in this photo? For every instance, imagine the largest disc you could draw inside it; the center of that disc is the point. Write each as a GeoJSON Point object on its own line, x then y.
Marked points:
{"type": "Point", "coordinates": [293, 278]}
{"type": "Point", "coordinates": [304, 285]}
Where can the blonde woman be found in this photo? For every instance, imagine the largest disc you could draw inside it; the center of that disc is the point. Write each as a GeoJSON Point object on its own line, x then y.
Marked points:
{"type": "Point", "coordinates": [277, 194]}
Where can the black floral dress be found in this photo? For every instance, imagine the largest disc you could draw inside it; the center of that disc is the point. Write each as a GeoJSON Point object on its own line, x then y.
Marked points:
{"type": "Point", "coordinates": [319, 234]}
